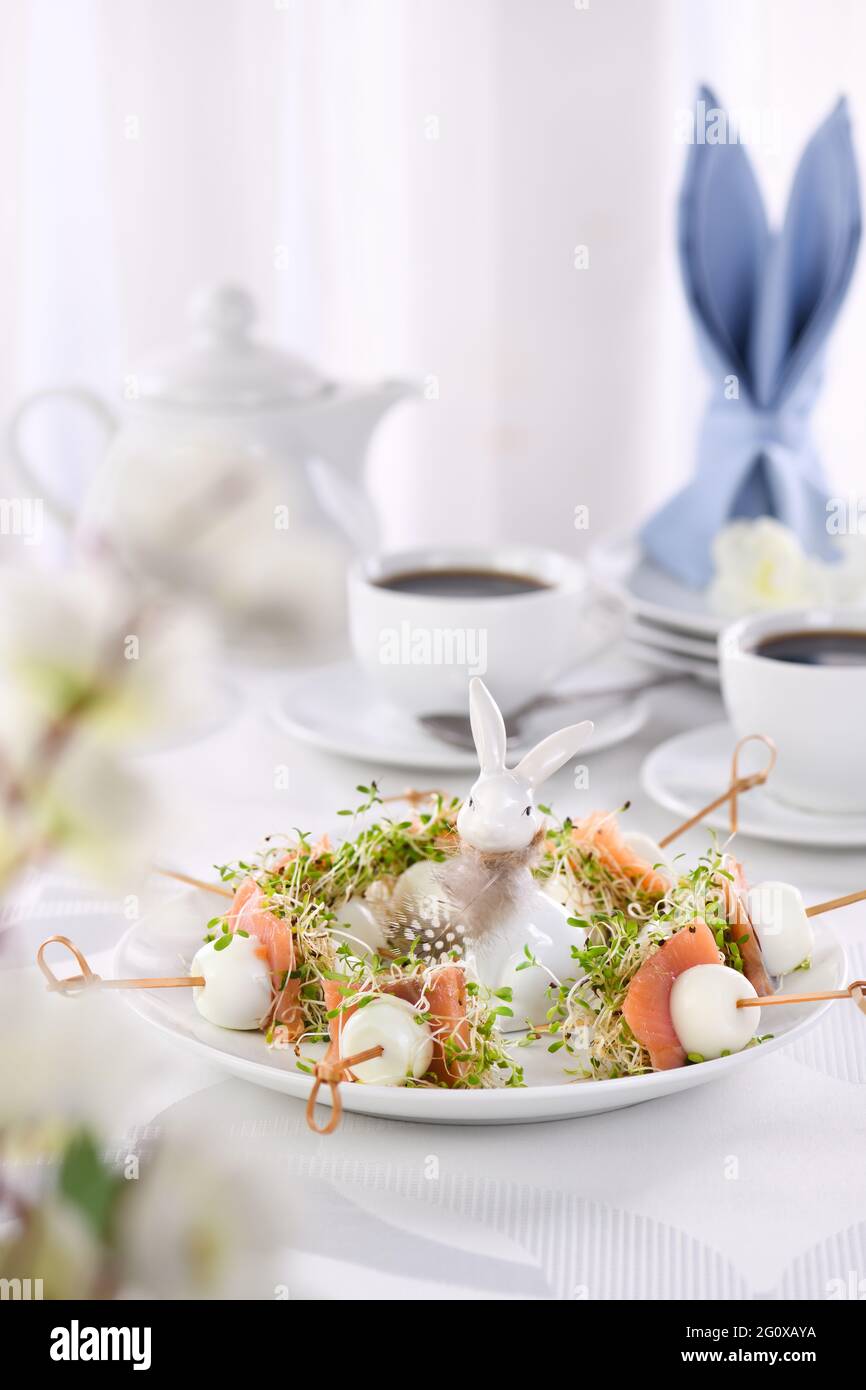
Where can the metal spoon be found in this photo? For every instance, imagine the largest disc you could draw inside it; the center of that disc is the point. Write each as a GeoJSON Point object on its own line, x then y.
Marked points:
{"type": "Point", "coordinates": [455, 729]}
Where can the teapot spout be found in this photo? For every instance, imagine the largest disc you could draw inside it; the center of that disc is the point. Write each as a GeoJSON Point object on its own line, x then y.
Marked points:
{"type": "Point", "coordinates": [340, 428]}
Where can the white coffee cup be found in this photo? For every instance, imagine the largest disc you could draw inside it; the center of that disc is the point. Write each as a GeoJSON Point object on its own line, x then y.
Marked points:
{"type": "Point", "coordinates": [814, 714]}
{"type": "Point", "coordinates": [420, 650]}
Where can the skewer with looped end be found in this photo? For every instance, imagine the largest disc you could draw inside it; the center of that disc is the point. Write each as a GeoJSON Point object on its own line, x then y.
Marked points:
{"type": "Point", "coordinates": [853, 991]}
{"type": "Point", "coordinates": [332, 1074]}
{"type": "Point", "coordinates": [75, 984]}
{"type": "Point", "coordinates": [325, 1073]}
{"type": "Point", "coordinates": [736, 787]}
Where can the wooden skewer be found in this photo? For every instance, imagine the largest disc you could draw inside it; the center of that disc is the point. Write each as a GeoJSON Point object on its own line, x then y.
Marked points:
{"type": "Point", "coordinates": [194, 882]}
{"type": "Point", "coordinates": [332, 1074]}
{"type": "Point", "coordinates": [414, 796]}
{"type": "Point", "coordinates": [162, 982]}
{"type": "Point", "coordinates": [854, 991]}
{"type": "Point", "coordinates": [326, 1073]}
{"type": "Point", "coordinates": [832, 903]}
{"type": "Point", "coordinates": [737, 785]}
{"type": "Point", "coordinates": [74, 984]}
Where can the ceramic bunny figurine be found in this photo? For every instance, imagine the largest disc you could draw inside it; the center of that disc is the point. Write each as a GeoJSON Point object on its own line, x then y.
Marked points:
{"type": "Point", "coordinates": [499, 815]}
{"type": "Point", "coordinates": [489, 887]}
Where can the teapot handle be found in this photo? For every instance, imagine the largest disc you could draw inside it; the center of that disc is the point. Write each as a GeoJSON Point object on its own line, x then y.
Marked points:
{"type": "Point", "coordinates": [24, 465]}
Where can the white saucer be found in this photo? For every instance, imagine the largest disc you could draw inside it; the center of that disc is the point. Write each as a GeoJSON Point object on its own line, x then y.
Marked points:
{"type": "Point", "coordinates": [152, 948]}
{"type": "Point", "coordinates": [691, 769]}
{"type": "Point", "coordinates": [620, 566]}
{"type": "Point", "coordinates": [334, 707]}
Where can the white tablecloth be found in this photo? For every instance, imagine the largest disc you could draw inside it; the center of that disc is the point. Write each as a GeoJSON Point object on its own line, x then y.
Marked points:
{"type": "Point", "coordinates": [735, 1190]}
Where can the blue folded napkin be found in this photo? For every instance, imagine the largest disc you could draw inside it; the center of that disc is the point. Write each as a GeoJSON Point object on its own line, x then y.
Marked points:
{"type": "Point", "coordinates": [763, 303]}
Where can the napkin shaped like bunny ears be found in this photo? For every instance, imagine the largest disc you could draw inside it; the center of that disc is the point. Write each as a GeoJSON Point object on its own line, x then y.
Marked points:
{"type": "Point", "coordinates": [764, 305]}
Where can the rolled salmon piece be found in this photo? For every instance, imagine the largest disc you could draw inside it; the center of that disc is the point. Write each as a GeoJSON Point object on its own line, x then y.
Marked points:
{"type": "Point", "coordinates": [740, 926]}
{"type": "Point", "coordinates": [647, 1006]}
{"type": "Point", "coordinates": [443, 989]}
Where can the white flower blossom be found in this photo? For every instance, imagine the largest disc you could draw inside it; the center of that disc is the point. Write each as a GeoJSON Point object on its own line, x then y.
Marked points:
{"type": "Point", "coordinates": [94, 814]}
{"type": "Point", "coordinates": [79, 644]}
{"type": "Point", "coordinates": [849, 573]}
{"type": "Point", "coordinates": [761, 565]}
{"type": "Point", "coordinates": [195, 1228]}
{"type": "Point", "coordinates": [58, 1248]}
{"type": "Point", "coordinates": [77, 1059]}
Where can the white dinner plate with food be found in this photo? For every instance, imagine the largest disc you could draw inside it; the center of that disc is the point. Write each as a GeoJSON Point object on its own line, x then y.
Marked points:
{"type": "Point", "coordinates": [166, 941]}
{"type": "Point", "coordinates": [334, 707]}
{"type": "Point", "coordinates": [620, 566]}
{"type": "Point", "coordinates": [686, 771]}
{"type": "Point", "coordinates": [480, 960]}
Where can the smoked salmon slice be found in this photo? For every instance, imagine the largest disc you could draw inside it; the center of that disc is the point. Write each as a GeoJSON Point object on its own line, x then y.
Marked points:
{"type": "Point", "coordinates": [740, 926]}
{"type": "Point", "coordinates": [445, 996]}
{"type": "Point", "coordinates": [248, 913]}
{"type": "Point", "coordinates": [647, 1003]}
{"type": "Point", "coordinates": [600, 834]}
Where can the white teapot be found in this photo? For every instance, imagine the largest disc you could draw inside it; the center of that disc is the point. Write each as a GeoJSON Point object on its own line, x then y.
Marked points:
{"type": "Point", "coordinates": [223, 422]}
{"type": "Point", "coordinates": [227, 382]}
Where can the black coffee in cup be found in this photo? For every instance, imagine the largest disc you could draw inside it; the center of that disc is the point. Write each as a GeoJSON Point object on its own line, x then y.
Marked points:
{"type": "Point", "coordinates": [815, 647]}
{"type": "Point", "coordinates": [462, 583]}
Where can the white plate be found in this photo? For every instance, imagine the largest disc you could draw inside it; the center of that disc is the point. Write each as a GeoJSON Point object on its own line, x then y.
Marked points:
{"type": "Point", "coordinates": [148, 950]}
{"type": "Point", "coordinates": [334, 707]}
{"type": "Point", "coordinates": [688, 771]}
{"type": "Point", "coordinates": [619, 565]}
{"type": "Point", "coordinates": [676, 662]}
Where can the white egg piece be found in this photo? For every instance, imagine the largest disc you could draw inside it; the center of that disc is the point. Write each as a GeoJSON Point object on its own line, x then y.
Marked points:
{"type": "Point", "coordinates": [237, 982]}
{"type": "Point", "coordinates": [529, 997]}
{"type": "Point", "coordinates": [649, 852]}
{"type": "Point", "coordinates": [777, 912]}
{"type": "Point", "coordinates": [420, 879]}
{"type": "Point", "coordinates": [348, 966]}
{"type": "Point", "coordinates": [403, 1034]}
{"type": "Point", "coordinates": [416, 909]}
{"type": "Point", "coordinates": [556, 887]}
{"type": "Point", "coordinates": [359, 925]}
{"type": "Point", "coordinates": [704, 1011]}
{"type": "Point", "coordinates": [529, 986]}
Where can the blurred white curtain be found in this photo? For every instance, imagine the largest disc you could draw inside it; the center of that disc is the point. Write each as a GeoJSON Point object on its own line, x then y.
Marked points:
{"type": "Point", "coordinates": [403, 185]}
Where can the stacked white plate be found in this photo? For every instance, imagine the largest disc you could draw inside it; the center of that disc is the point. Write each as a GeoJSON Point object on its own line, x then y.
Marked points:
{"type": "Point", "coordinates": [670, 626]}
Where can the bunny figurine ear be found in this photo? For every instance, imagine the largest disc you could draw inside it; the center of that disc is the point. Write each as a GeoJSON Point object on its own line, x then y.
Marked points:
{"type": "Point", "coordinates": [488, 727]}
{"type": "Point", "coordinates": [553, 752]}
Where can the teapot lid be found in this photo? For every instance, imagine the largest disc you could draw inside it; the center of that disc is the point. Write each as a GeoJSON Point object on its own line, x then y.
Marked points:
{"type": "Point", "coordinates": [222, 366]}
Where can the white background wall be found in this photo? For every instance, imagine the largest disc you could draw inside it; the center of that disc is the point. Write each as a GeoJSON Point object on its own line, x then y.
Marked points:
{"type": "Point", "coordinates": [150, 146]}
